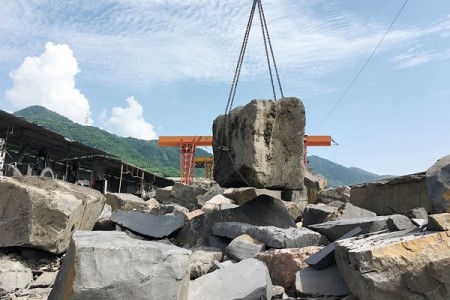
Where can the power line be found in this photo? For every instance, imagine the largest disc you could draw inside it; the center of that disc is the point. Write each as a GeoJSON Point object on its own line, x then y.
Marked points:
{"type": "Point", "coordinates": [362, 68]}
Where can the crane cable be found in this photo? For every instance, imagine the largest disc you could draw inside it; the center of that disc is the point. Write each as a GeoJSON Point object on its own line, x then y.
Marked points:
{"type": "Point", "coordinates": [270, 59]}
{"type": "Point", "coordinates": [362, 68]}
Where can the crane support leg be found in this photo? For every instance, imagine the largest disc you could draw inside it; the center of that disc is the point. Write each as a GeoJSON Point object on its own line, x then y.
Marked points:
{"type": "Point", "coordinates": [187, 154]}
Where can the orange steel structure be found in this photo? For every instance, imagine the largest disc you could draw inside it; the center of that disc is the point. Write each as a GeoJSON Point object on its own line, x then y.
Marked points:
{"type": "Point", "coordinates": [315, 140]}
{"type": "Point", "coordinates": [207, 163]}
{"type": "Point", "coordinates": [187, 146]}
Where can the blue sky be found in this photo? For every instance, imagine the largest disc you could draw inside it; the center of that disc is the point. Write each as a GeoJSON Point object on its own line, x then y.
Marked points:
{"type": "Point", "coordinates": [146, 68]}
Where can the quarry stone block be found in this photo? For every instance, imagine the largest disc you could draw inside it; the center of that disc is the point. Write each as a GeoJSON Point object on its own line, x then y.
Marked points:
{"type": "Point", "coordinates": [321, 283]}
{"type": "Point", "coordinates": [275, 237]}
{"type": "Point", "coordinates": [314, 183]}
{"type": "Point", "coordinates": [216, 203]}
{"type": "Point", "coordinates": [248, 279]}
{"type": "Point", "coordinates": [329, 195]}
{"type": "Point", "coordinates": [42, 213]}
{"type": "Point", "coordinates": [125, 201]}
{"type": "Point", "coordinates": [13, 273]}
{"type": "Point", "coordinates": [439, 222]}
{"type": "Point", "coordinates": [438, 182]}
{"type": "Point", "coordinates": [396, 265]}
{"type": "Point", "coordinates": [243, 247]}
{"type": "Point", "coordinates": [283, 264]}
{"type": "Point", "coordinates": [392, 196]}
{"type": "Point", "coordinates": [262, 211]}
{"type": "Point", "coordinates": [242, 195]}
{"type": "Point", "coordinates": [230, 230]}
{"type": "Point", "coordinates": [202, 260]}
{"type": "Point", "coordinates": [110, 265]}
{"type": "Point", "coordinates": [254, 141]}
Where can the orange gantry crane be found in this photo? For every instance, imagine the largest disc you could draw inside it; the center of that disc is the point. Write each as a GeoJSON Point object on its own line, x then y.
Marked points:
{"type": "Point", "coordinates": [187, 146]}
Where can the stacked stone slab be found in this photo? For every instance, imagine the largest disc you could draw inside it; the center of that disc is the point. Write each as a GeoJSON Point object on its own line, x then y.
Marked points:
{"type": "Point", "coordinates": [261, 145]}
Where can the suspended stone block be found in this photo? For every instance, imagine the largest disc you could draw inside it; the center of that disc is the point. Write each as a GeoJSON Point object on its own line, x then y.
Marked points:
{"type": "Point", "coordinates": [261, 145]}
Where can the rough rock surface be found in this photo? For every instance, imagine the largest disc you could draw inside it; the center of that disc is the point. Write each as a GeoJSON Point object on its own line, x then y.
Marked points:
{"type": "Point", "coordinates": [439, 222]}
{"type": "Point", "coordinates": [202, 260]}
{"type": "Point", "coordinates": [43, 212]}
{"type": "Point", "coordinates": [315, 183]}
{"type": "Point", "coordinates": [149, 225]}
{"type": "Point", "coordinates": [242, 195]}
{"type": "Point", "coordinates": [400, 222]}
{"type": "Point", "coordinates": [319, 283]}
{"type": "Point", "coordinates": [335, 229]}
{"type": "Point", "coordinates": [243, 247]}
{"type": "Point", "coordinates": [396, 265]}
{"type": "Point", "coordinates": [284, 263]}
{"type": "Point", "coordinates": [295, 210]}
{"type": "Point", "coordinates": [286, 237]}
{"type": "Point", "coordinates": [111, 265]}
{"type": "Point", "coordinates": [395, 195]}
{"type": "Point", "coordinates": [262, 211]}
{"type": "Point", "coordinates": [230, 230]}
{"type": "Point", "coordinates": [125, 201]}
{"type": "Point", "coordinates": [13, 274]}
{"type": "Point", "coordinates": [216, 203]}
{"type": "Point", "coordinates": [328, 195]}
{"type": "Point", "coordinates": [438, 181]}
{"type": "Point", "coordinates": [248, 279]}
{"type": "Point", "coordinates": [317, 213]}
{"type": "Point", "coordinates": [261, 137]}
{"type": "Point", "coordinates": [417, 213]}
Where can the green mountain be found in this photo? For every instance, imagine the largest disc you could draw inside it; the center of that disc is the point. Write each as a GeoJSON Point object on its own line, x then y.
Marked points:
{"type": "Point", "coordinates": [144, 154]}
{"type": "Point", "coordinates": [338, 175]}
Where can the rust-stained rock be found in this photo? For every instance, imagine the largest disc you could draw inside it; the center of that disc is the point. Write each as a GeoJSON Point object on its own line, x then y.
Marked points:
{"type": "Point", "coordinates": [398, 265]}
{"type": "Point", "coordinates": [284, 263]}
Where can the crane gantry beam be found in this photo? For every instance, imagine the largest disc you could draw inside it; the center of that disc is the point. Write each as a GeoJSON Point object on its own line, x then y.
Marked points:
{"type": "Point", "coordinates": [187, 146]}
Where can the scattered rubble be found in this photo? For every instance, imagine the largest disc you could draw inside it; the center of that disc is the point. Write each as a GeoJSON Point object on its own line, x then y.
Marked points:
{"type": "Point", "coordinates": [207, 242]}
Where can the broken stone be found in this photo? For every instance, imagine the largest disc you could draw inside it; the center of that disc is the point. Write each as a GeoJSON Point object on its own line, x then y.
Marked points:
{"type": "Point", "coordinates": [438, 182]}
{"type": "Point", "coordinates": [216, 203]}
{"type": "Point", "coordinates": [243, 247]}
{"type": "Point", "coordinates": [185, 195]}
{"type": "Point", "coordinates": [350, 211]}
{"type": "Point", "coordinates": [400, 222]}
{"type": "Point", "coordinates": [283, 264]}
{"type": "Point", "coordinates": [326, 282]}
{"type": "Point", "coordinates": [329, 195]}
{"type": "Point", "coordinates": [392, 196]}
{"type": "Point", "coordinates": [275, 237]}
{"type": "Point", "coordinates": [248, 279]}
{"type": "Point", "coordinates": [335, 229]}
{"type": "Point", "coordinates": [317, 213]}
{"type": "Point", "coordinates": [230, 230]}
{"type": "Point", "coordinates": [45, 280]}
{"type": "Point", "coordinates": [202, 260]}
{"type": "Point", "coordinates": [124, 201]}
{"type": "Point", "coordinates": [417, 213]}
{"type": "Point", "coordinates": [245, 194]}
{"type": "Point", "coordinates": [439, 222]}
{"type": "Point", "coordinates": [194, 213]}
{"type": "Point", "coordinates": [163, 194]}
{"type": "Point", "coordinates": [294, 210]}
{"type": "Point", "coordinates": [315, 183]}
{"type": "Point", "coordinates": [169, 208]}
{"type": "Point", "coordinates": [221, 265]}
{"type": "Point", "coordinates": [298, 196]}
{"type": "Point", "coordinates": [42, 213]}
{"type": "Point", "coordinates": [396, 265]}
{"type": "Point", "coordinates": [262, 211]}
{"type": "Point", "coordinates": [149, 225]}
{"type": "Point", "coordinates": [325, 257]}
{"type": "Point", "coordinates": [260, 137]}
{"type": "Point", "coordinates": [278, 292]}
{"type": "Point", "coordinates": [145, 269]}
{"type": "Point", "coordinates": [14, 273]}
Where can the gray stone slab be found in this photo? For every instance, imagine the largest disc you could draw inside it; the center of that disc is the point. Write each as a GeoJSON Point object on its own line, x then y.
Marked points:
{"type": "Point", "coordinates": [230, 230]}
{"type": "Point", "coordinates": [149, 225]}
{"type": "Point", "coordinates": [261, 211]}
{"type": "Point", "coordinates": [438, 183]}
{"type": "Point", "coordinates": [335, 229]}
{"type": "Point", "coordinates": [202, 260]}
{"type": "Point", "coordinates": [248, 279]}
{"type": "Point", "coordinates": [400, 222]}
{"type": "Point", "coordinates": [14, 273]}
{"type": "Point", "coordinates": [109, 265]}
{"type": "Point", "coordinates": [286, 237]}
{"type": "Point", "coordinates": [318, 213]}
{"type": "Point", "coordinates": [325, 257]}
{"type": "Point", "coordinates": [327, 282]}
{"type": "Point", "coordinates": [243, 247]}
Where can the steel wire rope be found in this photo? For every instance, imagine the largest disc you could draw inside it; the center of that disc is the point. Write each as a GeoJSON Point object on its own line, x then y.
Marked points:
{"type": "Point", "coordinates": [362, 68]}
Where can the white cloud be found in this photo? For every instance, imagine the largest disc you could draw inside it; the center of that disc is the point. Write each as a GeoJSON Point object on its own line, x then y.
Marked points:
{"type": "Point", "coordinates": [49, 80]}
{"type": "Point", "coordinates": [128, 121]}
